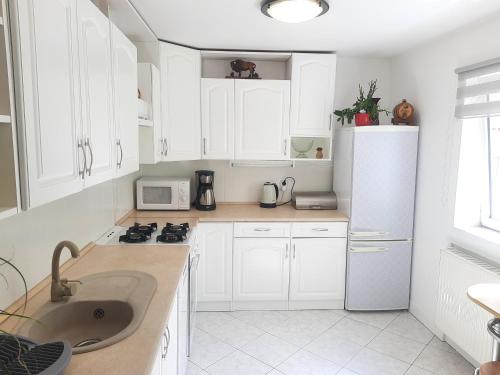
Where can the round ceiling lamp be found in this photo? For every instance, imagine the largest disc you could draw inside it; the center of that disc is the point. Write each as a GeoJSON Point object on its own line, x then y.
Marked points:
{"type": "Point", "coordinates": [294, 11]}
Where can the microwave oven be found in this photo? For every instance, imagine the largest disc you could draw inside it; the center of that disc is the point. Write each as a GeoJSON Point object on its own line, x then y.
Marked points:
{"type": "Point", "coordinates": [160, 193]}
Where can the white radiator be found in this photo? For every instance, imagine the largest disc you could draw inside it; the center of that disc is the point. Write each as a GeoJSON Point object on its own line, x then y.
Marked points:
{"type": "Point", "coordinates": [462, 321]}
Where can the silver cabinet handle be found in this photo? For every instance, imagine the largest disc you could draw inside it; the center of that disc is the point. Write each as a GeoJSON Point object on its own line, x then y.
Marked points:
{"type": "Point", "coordinates": [285, 143]}
{"type": "Point", "coordinates": [204, 146]}
{"type": "Point", "coordinates": [262, 229]}
{"type": "Point", "coordinates": [87, 144]}
{"type": "Point", "coordinates": [162, 147]}
{"type": "Point", "coordinates": [166, 146]}
{"type": "Point", "coordinates": [166, 344]}
{"type": "Point", "coordinates": [286, 252]}
{"type": "Point", "coordinates": [293, 251]}
{"type": "Point", "coordinates": [330, 124]}
{"type": "Point", "coordinates": [320, 229]}
{"type": "Point", "coordinates": [367, 234]}
{"type": "Point", "coordinates": [119, 144]}
{"type": "Point", "coordinates": [367, 249]}
{"type": "Point", "coordinates": [81, 172]}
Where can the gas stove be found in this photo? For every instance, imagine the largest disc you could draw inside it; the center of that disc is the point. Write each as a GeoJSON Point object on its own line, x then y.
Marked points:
{"type": "Point", "coordinates": [147, 234]}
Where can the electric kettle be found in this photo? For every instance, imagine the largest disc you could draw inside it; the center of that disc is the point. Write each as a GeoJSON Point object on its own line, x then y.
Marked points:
{"type": "Point", "coordinates": [269, 195]}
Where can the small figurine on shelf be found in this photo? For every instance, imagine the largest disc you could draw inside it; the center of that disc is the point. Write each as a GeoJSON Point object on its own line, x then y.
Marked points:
{"type": "Point", "coordinates": [240, 66]}
{"type": "Point", "coordinates": [403, 113]}
{"type": "Point", "coordinates": [319, 153]}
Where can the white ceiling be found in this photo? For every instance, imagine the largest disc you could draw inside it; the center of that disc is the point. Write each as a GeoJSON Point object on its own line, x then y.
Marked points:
{"type": "Point", "coordinates": [352, 27]}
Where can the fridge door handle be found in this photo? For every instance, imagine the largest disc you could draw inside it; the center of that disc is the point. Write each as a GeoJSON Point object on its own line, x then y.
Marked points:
{"type": "Point", "coordinates": [368, 234]}
{"type": "Point", "coordinates": [372, 249]}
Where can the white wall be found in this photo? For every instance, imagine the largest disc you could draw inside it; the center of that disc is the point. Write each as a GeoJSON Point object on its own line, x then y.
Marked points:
{"type": "Point", "coordinates": [28, 239]}
{"type": "Point", "coordinates": [425, 76]}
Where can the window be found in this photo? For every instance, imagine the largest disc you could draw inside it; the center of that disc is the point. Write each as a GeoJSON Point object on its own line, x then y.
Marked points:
{"type": "Point", "coordinates": [490, 211]}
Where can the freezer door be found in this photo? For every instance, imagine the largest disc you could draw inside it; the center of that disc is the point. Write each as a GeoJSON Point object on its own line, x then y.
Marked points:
{"type": "Point", "coordinates": [378, 275]}
{"type": "Point", "coordinates": [383, 184]}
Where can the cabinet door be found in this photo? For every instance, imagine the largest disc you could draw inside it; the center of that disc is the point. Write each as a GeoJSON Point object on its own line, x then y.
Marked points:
{"type": "Point", "coordinates": [183, 318]}
{"type": "Point", "coordinates": [313, 88]}
{"type": "Point", "coordinates": [125, 95]}
{"type": "Point", "coordinates": [48, 99]}
{"type": "Point", "coordinates": [97, 99]}
{"type": "Point", "coordinates": [217, 118]}
{"type": "Point", "coordinates": [180, 91]}
{"type": "Point", "coordinates": [318, 269]}
{"type": "Point", "coordinates": [215, 273]}
{"type": "Point", "coordinates": [262, 119]}
{"type": "Point", "coordinates": [151, 145]}
{"type": "Point", "coordinates": [261, 269]}
{"type": "Point", "coordinates": [170, 358]}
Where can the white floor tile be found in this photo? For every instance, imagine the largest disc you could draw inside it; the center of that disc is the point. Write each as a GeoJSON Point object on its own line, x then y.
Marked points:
{"type": "Point", "coordinates": [207, 350]}
{"type": "Point", "coordinates": [238, 363]}
{"type": "Point", "coordinates": [235, 332]}
{"type": "Point", "coordinates": [269, 349]}
{"type": "Point", "coordinates": [345, 371]}
{"type": "Point", "coordinates": [441, 345]}
{"type": "Point", "coordinates": [275, 372]}
{"type": "Point", "coordinates": [408, 326]}
{"type": "Point", "coordinates": [298, 331]}
{"type": "Point", "coordinates": [357, 332]}
{"type": "Point", "coordinates": [305, 363]}
{"type": "Point", "coordinates": [370, 362]}
{"type": "Point", "coordinates": [323, 317]}
{"type": "Point", "coordinates": [396, 346]}
{"type": "Point", "coordinates": [379, 319]}
{"type": "Point", "coordinates": [443, 362]}
{"type": "Point", "coordinates": [205, 320]}
{"type": "Point", "coordinates": [193, 369]}
{"type": "Point", "coordinates": [414, 370]}
{"type": "Point", "coordinates": [260, 319]}
{"type": "Point", "coordinates": [333, 348]}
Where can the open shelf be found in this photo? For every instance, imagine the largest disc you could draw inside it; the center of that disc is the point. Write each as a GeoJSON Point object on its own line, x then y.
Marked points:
{"type": "Point", "coordinates": [307, 146]}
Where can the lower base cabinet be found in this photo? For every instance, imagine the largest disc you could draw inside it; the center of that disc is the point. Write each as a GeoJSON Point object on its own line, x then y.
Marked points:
{"type": "Point", "coordinates": [261, 269]}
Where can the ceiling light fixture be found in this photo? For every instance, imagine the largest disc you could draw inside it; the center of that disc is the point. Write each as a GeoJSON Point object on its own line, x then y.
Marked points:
{"type": "Point", "coordinates": [294, 11]}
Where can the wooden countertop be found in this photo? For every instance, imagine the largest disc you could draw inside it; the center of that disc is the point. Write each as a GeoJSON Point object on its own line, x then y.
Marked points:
{"type": "Point", "coordinates": [135, 354]}
{"type": "Point", "coordinates": [486, 296]}
{"type": "Point", "coordinates": [244, 212]}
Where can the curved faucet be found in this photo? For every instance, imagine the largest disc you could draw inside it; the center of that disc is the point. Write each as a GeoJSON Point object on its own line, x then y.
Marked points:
{"type": "Point", "coordinates": [62, 288]}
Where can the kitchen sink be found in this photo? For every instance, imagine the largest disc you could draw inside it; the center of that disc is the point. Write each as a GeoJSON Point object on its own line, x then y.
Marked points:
{"type": "Point", "coordinates": [107, 308]}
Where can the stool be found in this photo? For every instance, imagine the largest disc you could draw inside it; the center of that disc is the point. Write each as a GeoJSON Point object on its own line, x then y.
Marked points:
{"type": "Point", "coordinates": [489, 368]}
{"type": "Point", "coordinates": [494, 331]}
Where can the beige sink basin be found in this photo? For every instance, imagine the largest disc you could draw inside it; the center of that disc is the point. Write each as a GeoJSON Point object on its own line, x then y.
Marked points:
{"type": "Point", "coordinates": [107, 308]}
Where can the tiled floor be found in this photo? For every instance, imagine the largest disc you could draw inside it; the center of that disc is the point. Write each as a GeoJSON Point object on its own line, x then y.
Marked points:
{"type": "Point", "coordinates": [320, 343]}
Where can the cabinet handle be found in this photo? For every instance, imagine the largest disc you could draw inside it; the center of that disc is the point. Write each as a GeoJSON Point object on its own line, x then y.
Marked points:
{"type": "Point", "coordinates": [119, 144]}
{"type": "Point", "coordinates": [87, 144]}
{"type": "Point", "coordinates": [204, 146]}
{"type": "Point", "coordinates": [262, 229]}
{"type": "Point", "coordinates": [81, 172]}
{"type": "Point", "coordinates": [367, 249]}
{"type": "Point", "coordinates": [320, 229]}
{"type": "Point", "coordinates": [293, 251]}
{"type": "Point", "coordinates": [330, 124]}
{"type": "Point", "coordinates": [162, 146]}
{"type": "Point", "coordinates": [286, 252]}
{"type": "Point", "coordinates": [166, 146]}
{"type": "Point", "coordinates": [367, 234]}
{"type": "Point", "coordinates": [285, 143]}
{"type": "Point", "coordinates": [166, 337]}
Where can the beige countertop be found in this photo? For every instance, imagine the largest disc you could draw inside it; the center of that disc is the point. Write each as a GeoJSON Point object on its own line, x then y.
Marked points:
{"type": "Point", "coordinates": [486, 296]}
{"type": "Point", "coordinates": [243, 212]}
{"type": "Point", "coordinates": [135, 354]}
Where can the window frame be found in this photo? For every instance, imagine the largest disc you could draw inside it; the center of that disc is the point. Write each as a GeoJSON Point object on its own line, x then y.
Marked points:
{"type": "Point", "coordinates": [487, 201]}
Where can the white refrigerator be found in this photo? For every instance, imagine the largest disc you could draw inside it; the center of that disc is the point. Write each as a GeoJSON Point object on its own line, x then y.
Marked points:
{"type": "Point", "coordinates": [374, 178]}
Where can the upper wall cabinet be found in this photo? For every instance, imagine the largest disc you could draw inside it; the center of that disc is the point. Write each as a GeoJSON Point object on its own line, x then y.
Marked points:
{"type": "Point", "coordinates": [262, 119]}
{"type": "Point", "coordinates": [96, 93]}
{"type": "Point", "coordinates": [125, 95]}
{"type": "Point", "coordinates": [217, 118]}
{"type": "Point", "coordinates": [312, 94]}
{"type": "Point", "coordinates": [180, 92]}
{"type": "Point", "coordinates": [48, 104]}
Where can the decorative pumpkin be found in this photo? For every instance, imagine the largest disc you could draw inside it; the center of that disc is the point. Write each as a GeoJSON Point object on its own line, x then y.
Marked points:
{"type": "Point", "coordinates": [403, 113]}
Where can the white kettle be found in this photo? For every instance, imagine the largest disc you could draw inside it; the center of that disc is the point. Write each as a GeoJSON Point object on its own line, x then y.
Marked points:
{"type": "Point", "coordinates": [269, 195]}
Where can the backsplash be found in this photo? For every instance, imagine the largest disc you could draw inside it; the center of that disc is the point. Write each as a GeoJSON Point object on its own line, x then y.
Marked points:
{"type": "Point", "coordinates": [29, 238]}
{"type": "Point", "coordinates": [243, 184]}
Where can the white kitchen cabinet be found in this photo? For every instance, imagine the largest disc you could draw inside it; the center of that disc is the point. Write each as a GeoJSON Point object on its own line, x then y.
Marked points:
{"type": "Point", "coordinates": [48, 99]}
{"type": "Point", "coordinates": [94, 45]}
{"type": "Point", "coordinates": [215, 269]}
{"type": "Point", "coordinates": [261, 273]}
{"type": "Point", "coordinates": [180, 93]}
{"type": "Point", "coordinates": [312, 94]}
{"type": "Point", "coordinates": [125, 102]}
{"type": "Point", "coordinates": [262, 119]}
{"type": "Point", "coordinates": [170, 360]}
{"type": "Point", "coordinates": [217, 118]}
{"type": "Point", "coordinates": [151, 142]}
{"type": "Point", "coordinates": [317, 273]}
{"type": "Point", "coordinates": [183, 322]}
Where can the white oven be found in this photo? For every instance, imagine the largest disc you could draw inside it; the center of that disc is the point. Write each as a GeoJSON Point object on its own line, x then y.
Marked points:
{"type": "Point", "coordinates": [160, 193]}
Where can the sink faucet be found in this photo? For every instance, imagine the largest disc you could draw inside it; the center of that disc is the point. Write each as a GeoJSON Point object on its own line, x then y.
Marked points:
{"type": "Point", "coordinates": [61, 288]}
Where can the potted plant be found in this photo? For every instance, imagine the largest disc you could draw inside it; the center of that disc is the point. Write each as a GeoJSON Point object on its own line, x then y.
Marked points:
{"type": "Point", "coordinates": [365, 110]}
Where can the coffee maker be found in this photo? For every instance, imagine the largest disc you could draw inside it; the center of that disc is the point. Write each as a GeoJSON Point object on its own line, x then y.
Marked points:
{"type": "Point", "coordinates": [205, 198]}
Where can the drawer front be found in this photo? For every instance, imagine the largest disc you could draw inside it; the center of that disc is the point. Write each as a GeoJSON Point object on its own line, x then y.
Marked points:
{"type": "Point", "coordinates": [264, 229]}
{"type": "Point", "coordinates": [319, 230]}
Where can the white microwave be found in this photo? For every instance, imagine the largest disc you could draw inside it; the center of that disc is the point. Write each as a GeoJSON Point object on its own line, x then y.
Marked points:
{"type": "Point", "coordinates": [160, 193]}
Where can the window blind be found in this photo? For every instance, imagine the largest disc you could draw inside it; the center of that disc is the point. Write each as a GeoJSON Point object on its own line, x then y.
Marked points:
{"type": "Point", "coordinates": [478, 93]}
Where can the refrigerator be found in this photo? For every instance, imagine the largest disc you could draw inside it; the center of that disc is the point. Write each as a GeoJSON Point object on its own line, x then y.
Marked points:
{"type": "Point", "coordinates": [374, 179]}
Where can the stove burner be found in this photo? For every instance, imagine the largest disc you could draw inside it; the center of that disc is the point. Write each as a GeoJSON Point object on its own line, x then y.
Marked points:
{"type": "Point", "coordinates": [133, 238]}
{"type": "Point", "coordinates": [173, 233]}
{"type": "Point", "coordinates": [138, 233]}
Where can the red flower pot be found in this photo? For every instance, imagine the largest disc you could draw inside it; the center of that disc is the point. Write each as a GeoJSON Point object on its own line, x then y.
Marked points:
{"type": "Point", "coordinates": [363, 119]}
